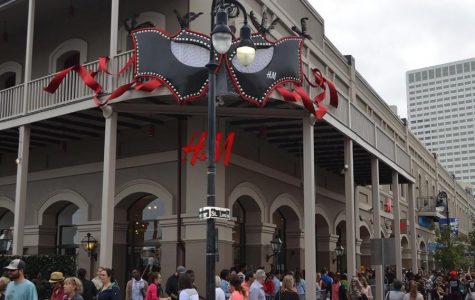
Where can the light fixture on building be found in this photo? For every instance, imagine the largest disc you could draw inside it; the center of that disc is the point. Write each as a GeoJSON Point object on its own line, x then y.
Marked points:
{"type": "Point", "coordinates": [276, 245]}
{"type": "Point", "coordinates": [222, 37]}
{"type": "Point", "coordinates": [246, 52]}
{"type": "Point", "coordinates": [18, 161]}
{"type": "Point", "coordinates": [89, 243]}
{"type": "Point", "coordinates": [339, 254]}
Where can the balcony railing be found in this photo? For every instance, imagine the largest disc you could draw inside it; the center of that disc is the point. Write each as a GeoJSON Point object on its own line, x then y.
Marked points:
{"type": "Point", "coordinates": [14, 104]}
{"type": "Point", "coordinates": [11, 102]}
{"type": "Point", "coordinates": [426, 204]}
{"type": "Point", "coordinates": [71, 90]}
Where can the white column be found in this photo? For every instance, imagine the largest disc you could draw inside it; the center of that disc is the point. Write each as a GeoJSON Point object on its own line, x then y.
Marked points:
{"type": "Point", "coordinates": [397, 225]}
{"type": "Point", "coordinates": [28, 51]}
{"type": "Point", "coordinates": [114, 27]}
{"type": "Point", "coordinates": [108, 191]}
{"type": "Point", "coordinates": [309, 206]}
{"type": "Point", "coordinates": [377, 223]}
{"type": "Point", "coordinates": [113, 42]}
{"type": "Point", "coordinates": [350, 210]}
{"type": "Point", "coordinates": [21, 189]}
{"type": "Point", "coordinates": [412, 225]}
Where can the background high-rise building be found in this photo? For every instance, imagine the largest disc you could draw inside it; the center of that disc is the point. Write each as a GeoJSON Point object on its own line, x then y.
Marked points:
{"type": "Point", "coordinates": [441, 113]}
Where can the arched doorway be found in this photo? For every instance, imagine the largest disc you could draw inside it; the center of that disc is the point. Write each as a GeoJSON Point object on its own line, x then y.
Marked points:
{"type": "Point", "coordinates": [248, 222]}
{"type": "Point", "coordinates": [288, 230]}
{"type": "Point", "coordinates": [406, 253]}
{"type": "Point", "coordinates": [322, 243]}
{"type": "Point", "coordinates": [59, 229]}
{"type": "Point", "coordinates": [365, 248]}
{"type": "Point", "coordinates": [139, 214]}
{"type": "Point", "coordinates": [6, 234]}
{"type": "Point", "coordinates": [341, 234]}
{"type": "Point", "coordinates": [423, 256]}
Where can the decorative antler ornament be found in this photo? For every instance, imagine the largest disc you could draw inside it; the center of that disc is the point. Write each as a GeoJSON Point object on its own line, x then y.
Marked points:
{"type": "Point", "coordinates": [130, 24]}
{"type": "Point", "coordinates": [302, 32]}
{"type": "Point", "coordinates": [263, 27]}
{"type": "Point", "coordinates": [186, 20]}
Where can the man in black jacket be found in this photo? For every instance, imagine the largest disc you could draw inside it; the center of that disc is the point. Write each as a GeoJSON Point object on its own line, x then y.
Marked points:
{"type": "Point", "coordinates": [172, 283]}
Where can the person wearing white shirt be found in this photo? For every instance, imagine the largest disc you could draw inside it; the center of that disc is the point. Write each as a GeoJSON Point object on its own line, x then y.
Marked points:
{"type": "Point", "coordinates": [219, 291]}
{"type": "Point", "coordinates": [256, 291]}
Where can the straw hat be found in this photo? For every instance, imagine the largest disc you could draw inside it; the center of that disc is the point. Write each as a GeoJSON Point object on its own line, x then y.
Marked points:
{"type": "Point", "coordinates": [56, 277]}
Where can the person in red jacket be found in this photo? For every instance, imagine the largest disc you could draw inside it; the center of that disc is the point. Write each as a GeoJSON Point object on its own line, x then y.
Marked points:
{"type": "Point", "coordinates": [269, 285]}
{"type": "Point", "coordinates": [155, 279]}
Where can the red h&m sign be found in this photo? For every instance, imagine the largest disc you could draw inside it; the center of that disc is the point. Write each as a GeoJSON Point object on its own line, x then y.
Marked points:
{"type": "Point", "coordinates": [199, 152]}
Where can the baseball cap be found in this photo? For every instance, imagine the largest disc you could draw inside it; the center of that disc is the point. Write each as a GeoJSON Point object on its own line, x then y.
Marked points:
{"type": "Point", "coordinates": [180, 269]}
{"type": "Point", "coordinates": [16, 264]}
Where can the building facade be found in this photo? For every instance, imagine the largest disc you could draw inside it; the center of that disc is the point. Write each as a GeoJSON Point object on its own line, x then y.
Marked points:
{"type": "Point", "coordinates": [67, 168]}
{"type": "Point", "coordinates": [441, 114]}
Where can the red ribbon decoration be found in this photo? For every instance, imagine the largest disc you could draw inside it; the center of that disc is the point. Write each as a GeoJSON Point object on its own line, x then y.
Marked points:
{"type": "Point", "coordinates": [104, 60]}
{"type": "Point", "coordinates": [147, 86]}
{"type": "Point", "coordinates": [320, 81]}
{"type": "Point", "coordinates": [300, 95]}
{"type": "Point", "coordinates": [87, 77]}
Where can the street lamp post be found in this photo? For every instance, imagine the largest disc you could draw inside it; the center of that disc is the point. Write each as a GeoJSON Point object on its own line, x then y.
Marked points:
{"type": "Point", "coordinates": [276, 245]}
{"type": "Point", "coordinates": [221, 37]}
{"type": "Point", "coordinates": [89, 243]}
{"type": "Point", "coordinates": [339, 254]}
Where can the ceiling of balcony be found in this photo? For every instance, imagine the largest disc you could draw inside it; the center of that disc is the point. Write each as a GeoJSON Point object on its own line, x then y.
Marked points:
{"type": "Point", "coordinates": [282, 132]}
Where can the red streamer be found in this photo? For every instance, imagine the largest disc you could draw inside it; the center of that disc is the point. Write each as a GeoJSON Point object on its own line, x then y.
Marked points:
{"type": "Point", "coordinates": [83, 73]}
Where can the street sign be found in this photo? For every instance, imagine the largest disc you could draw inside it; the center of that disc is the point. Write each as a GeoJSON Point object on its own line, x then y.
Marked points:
{"type": "Point", "coordinates": [211, 212]}
{"type": "Point", "coordinates": [383, 252]}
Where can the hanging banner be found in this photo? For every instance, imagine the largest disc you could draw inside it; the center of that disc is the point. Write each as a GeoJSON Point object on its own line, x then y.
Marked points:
{"type": "Point", "coordinates": [454, 225]}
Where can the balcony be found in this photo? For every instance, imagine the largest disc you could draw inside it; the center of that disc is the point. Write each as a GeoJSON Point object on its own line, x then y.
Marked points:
{"type": "Point", "coordinates": [14, 104]}
{"type": "Point", "coordinates": [427, 207]}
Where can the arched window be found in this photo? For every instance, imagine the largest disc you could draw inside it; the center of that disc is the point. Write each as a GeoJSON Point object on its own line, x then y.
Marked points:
{"type": "Point", "coordinates": [10, 74]}
{"type": "Point", "coordinates": [124, 42]}
{"type": "Point", "coordinates": [68, 59]}
{"type": "Point", "coordinates": [6, 235]}
{"type": "Point", "coordinates": [67, 54]}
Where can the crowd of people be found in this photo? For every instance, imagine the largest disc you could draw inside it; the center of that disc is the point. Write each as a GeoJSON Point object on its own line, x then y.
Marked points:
{"type": "Point", "coordinates": [242, 284]}
{"type": "Point", "coordinates": [436, 285]}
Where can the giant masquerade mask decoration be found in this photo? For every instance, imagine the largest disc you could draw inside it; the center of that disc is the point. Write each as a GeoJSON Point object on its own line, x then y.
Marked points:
{"type": "Point", "coordinates": [179, 63]}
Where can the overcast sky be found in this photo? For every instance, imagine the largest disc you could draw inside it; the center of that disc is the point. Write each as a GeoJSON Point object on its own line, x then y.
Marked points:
{"type": "Point", "coordinates": [388, 38]}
